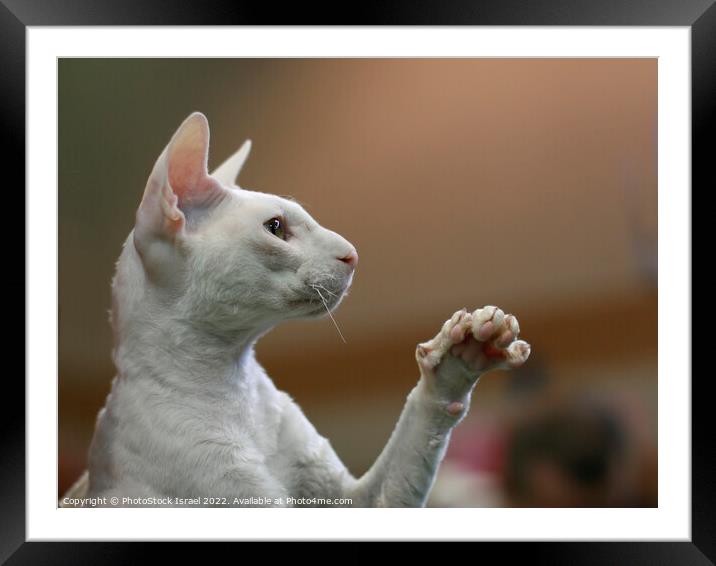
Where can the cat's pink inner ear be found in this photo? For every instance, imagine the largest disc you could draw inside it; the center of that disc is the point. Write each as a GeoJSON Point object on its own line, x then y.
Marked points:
{"type": "Point", "coordinates": [187, 158]}
{"type": "Point", "coordinates": [178, 183]}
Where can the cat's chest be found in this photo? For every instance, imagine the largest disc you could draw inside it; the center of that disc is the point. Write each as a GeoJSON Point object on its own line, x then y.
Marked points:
{"type": "Point", "coordinates": [224, 447]}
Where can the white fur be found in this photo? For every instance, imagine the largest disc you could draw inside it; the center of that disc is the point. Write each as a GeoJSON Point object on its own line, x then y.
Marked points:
{"type": "Point", "coordinates": [191, 412]}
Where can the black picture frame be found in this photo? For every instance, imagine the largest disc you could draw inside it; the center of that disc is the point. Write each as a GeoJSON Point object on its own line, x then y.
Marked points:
{"type": "Point", "coordinates": [17, 15]}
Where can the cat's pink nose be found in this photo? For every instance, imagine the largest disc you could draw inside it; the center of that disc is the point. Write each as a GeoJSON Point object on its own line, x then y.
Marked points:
{"type": "Point", "coordinates": [351, 259]}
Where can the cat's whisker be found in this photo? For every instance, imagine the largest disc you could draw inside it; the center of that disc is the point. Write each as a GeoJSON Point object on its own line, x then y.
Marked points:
{"type": "Point", "coordinates": [314, 285]}
{"type": "Point", "coordinates": [325, 304]}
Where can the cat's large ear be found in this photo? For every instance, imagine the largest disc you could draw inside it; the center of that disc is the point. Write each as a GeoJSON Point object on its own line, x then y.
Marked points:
{"type": "Point", "coordinates": [229, 170]}
{"type": "Point", "coordinates": [178, 184]}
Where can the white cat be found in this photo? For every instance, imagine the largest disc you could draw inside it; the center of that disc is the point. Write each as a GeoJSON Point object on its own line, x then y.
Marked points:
{"type": "Point", "coordinates": [208, 269]}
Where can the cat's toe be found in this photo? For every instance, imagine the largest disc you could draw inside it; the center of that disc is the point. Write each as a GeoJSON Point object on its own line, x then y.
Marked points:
{"type": "Point", "coordinates": [508, 334]}
{"type": "Point", "coordinates": [517, 353]}
{"type": "Point", "coordinates": [498, 334]}
{"type": "Point", "coordinates": [453, 332]}
{"type": "Point", "coordinates": [487, 322]}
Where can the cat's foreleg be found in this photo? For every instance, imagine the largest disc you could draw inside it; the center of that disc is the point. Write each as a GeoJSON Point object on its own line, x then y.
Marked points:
{"type": "Point", "coordinates": [467, 346]}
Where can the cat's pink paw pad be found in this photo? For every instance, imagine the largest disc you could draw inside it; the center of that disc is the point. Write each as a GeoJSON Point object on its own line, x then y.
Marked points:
{"type": "Point", "coordinates": [455, 408]}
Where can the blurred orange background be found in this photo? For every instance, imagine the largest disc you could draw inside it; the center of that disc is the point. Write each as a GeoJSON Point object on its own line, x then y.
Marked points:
{"type": "Point", "coordinates": [526, 183]}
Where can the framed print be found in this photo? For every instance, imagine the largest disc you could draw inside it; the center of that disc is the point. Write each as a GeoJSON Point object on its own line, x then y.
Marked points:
{"type": "Point", "coordinates": [539, 160]}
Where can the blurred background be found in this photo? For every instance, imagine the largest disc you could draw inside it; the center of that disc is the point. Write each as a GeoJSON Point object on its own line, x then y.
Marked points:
{"type": "Point", "coordinates": [526, 183]}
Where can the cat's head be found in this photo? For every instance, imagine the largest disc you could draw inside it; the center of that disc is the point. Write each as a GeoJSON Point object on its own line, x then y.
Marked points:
{"type": "Point", "coordinates": [228, 258]}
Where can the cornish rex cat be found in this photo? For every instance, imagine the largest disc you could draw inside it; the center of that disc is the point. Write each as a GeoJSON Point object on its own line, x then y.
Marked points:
{"type": "Point", "coordinates": [208, 269]}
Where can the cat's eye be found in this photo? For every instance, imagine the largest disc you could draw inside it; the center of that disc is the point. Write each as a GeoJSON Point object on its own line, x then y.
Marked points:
{"type": "Point", "coordinates": [276, 227]}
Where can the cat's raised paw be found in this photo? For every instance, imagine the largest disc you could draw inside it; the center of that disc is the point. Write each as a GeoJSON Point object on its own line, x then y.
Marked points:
{"type": "Point", "coordinates": [483, 340]}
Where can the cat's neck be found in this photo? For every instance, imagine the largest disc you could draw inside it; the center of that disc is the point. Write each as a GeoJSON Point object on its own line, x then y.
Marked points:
{"type": "Point", "coordinates": [178, 354]}
{"type": "Point", "coordinates": [155, 340]}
